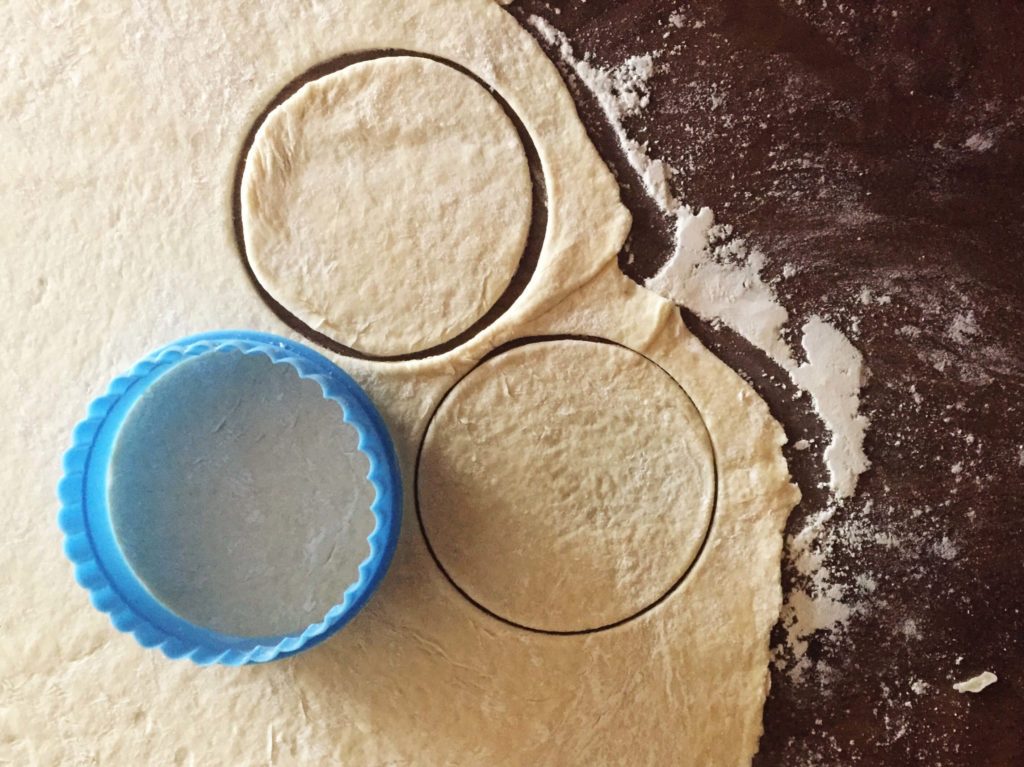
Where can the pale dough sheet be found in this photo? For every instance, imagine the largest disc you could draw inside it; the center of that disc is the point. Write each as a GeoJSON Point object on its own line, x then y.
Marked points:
{"type": "Point", "coordinates": [124, 127]}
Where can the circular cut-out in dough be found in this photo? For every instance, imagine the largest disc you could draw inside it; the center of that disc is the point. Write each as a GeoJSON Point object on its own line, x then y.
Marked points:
{"type": "Point", "coordinates": [566, 485]}
{"type": "Point", "coordinates": [387, 205]}
{"type": "Point", "coordinates": [239, 496]}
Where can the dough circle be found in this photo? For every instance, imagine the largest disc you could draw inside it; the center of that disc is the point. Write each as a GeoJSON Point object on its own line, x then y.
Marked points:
{"type": "Point", "coordinates": [387, 205]}
{"type": "Point", "coordinates": [224, 454]}
{"type": "Point", "coordinates": [566, 485]}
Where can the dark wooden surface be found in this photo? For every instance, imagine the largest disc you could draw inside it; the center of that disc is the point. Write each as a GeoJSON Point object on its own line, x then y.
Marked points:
{"type": "Point", "coordinates": [877, 146]}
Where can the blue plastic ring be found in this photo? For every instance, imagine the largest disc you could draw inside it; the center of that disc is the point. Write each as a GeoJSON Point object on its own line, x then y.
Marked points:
{"type": "Point", "coordinates": [100, 565]}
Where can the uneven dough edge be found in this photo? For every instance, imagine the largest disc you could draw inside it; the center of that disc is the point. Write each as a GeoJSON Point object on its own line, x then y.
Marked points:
{"type": "Point", "coordinates": [756, 493]}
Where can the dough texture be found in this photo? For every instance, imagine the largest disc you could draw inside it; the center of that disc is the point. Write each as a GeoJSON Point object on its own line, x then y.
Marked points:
{"type": "Point", "coordinates": [126, 125]}
{"type": "Point", "coordinates": [566, 485]}
{"type": "Point", "coordinates": [367, 191]}
{"type": "Point", "coordinates": [224, 453]}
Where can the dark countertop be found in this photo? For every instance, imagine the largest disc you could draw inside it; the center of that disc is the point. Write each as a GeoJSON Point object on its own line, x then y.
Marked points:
{"type": "Point", "coordinates": [877, 147]}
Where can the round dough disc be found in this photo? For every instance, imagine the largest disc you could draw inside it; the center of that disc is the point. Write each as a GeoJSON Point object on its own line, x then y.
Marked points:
{"type": "Point", "coordinates": [239, 496]}
{"type": "Point", "coordinates": [387, 205]}
{"type": "Point", "coordinates": [566, 485]}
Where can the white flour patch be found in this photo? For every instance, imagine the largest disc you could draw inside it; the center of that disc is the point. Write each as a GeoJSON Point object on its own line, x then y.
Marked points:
{"type": "Point", "coordinates": [826, 596]}
{"type": "Point", "coordinates": [945, 549]}
{"type": "Point", "coordinates": [910, 629]}
{"type": "Point", "coordinates": [818, 604]}
{"type": "Point", "coordinates": [979, 142]}
{"type": "Point", "coordinates": [723, 283]}
{"type": "Point", "coordinates": [963, 328]}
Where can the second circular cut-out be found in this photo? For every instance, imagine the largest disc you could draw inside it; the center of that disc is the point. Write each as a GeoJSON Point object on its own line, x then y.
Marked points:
{"type": "Point", "coordinates": [566, 485]}
{"type": "Point", "coordinates": [387, 205]}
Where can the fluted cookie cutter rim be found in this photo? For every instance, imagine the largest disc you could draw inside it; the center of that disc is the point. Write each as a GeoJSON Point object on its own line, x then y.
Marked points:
{"type": "Point", "coordinates": [101, 567]}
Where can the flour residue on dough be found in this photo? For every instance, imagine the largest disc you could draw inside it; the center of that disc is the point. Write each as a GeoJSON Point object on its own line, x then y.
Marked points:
{"type": "Point", "coordinates": [724, 284]}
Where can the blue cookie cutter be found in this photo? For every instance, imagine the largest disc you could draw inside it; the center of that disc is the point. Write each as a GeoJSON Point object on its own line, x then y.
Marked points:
{"type": "Point", "coordinates": [100, 565]}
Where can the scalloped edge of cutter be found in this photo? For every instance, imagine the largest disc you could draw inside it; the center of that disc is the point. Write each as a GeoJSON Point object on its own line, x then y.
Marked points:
{"type": "Point", "coordinates": [374, 442]}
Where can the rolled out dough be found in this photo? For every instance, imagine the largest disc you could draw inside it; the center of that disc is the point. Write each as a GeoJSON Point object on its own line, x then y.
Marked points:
{"type": "Point", "coordinates": [126, 126]}
{"type": "Point", "coordinates": [566, 485]}
{"type": "Point", "coordinates": [370, 188]}
{"type": "Point", "coordinates": [224, 453]}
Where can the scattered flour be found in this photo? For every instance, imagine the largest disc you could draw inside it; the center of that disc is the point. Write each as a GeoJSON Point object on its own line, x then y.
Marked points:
{"type": "Point", "coordinates": [910, 629]}
{"type": "Point", "coordinates": [819, 604]}
{"type": "Point", "coordinates": [867, 298]}
{"type": "Point", "coordinates": [945, 548]}
{"type": "Point", "coordinates": [826, 592]}
{"type": "Point", "coordinates": [979, 142]}
{"type": "Point", "coordinates": [724, 284]}
{"type": "Point", "coordinates": [963, 328]}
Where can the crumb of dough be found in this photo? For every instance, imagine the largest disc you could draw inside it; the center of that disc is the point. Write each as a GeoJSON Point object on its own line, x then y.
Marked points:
{"type": "Point", "coordinates": [976, 683]}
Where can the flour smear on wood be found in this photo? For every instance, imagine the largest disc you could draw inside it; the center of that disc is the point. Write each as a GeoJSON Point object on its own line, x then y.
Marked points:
{"type": "Point", "coordinates": [722, 288]}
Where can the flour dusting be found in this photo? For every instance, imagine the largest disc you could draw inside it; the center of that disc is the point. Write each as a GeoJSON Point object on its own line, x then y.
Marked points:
{"type": "Point", "coordinates": [979, 142]}
{"type": "Point", "coordinates": [723, 284]}
{"type": "Point", "coordinates": [817, 604]}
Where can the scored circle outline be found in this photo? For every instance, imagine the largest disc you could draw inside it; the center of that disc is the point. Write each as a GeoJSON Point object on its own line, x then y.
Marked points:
{"type": "Point", "coordinates": [528, 261]}
{"type": "Point", "coordinates": [673, 587]}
